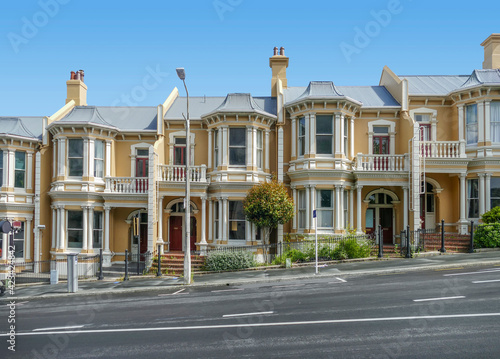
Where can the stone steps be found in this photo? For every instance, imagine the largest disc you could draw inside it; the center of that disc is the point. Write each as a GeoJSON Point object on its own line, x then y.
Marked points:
{"type": "Point", "coordinates": [173, 263]}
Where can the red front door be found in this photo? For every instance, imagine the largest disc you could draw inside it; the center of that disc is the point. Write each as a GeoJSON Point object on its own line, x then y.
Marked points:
{"type": "Point", "coordinates": [143, 237]}
{"type": "Point", "coordinates": [176, 233]}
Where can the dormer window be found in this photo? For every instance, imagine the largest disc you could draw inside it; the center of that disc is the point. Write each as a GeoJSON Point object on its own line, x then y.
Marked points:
{"type": "Point", "coordinates": [75, 157]}
{"type": "Point", "coordinates": [237, 147]}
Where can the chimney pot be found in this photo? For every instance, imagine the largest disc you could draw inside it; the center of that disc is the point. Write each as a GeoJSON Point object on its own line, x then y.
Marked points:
{"type": "Point", "coordinates": [275, 51]}
{"type": "Point", "coordinates": [282, 51]}
{"type": "Point", "coordinates": [72, 75]}
{"type": "Point", "coordinates": [82, 74]}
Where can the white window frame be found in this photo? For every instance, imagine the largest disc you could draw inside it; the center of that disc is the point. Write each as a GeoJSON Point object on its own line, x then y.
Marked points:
{"type": "Point", "coordinates": [98, 160]}
{"type": "Point", "coordinates": [68, 229]}
{"type": "Point", "coordinates": [472, 125]}
{"type": "Point", "coordinates": [470, 199]}
{"type": "Point", "coordinates": [301, 208]}
{"type": "Point", "coordinates": [238, 146]}
{"type": "Point", "coordinates": [392, 134]}
{"type": "Point", "coordinates": [23, 170]}
{"type": "Point", "coordinates": [70, 158]}
{"type": "Point", "coordinates": [260, 149]}
{"type": "Point", "coordinates": [238, 221]}
{"type": "Point", "coordinates": [493, 123]}
{"type": "Point", "coordinates": [97, 232]}
{"type": "Point", "coordinates": [330, 135]}
{"type": "Point", "coordinates": [301, 139]}
{"type": "Point", "coordinates": [320, 210]}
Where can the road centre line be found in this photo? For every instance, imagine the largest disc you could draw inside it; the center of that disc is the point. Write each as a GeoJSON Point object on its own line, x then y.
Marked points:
{"type": "Point", "coordinates": [486, 281]}
{"type": "Point", "coordinates": [58, 328]}
{"type": "Point", "coordinates": [277, 324]}
{"type": "Point", "coordinates": [245, 314]}
{"type": "Point", "coordinates": [179, 291]}
{"type": "Point", "coordinates": [227, 290]}
{"type": "Point", "coordinates": [441, 298]}
{"type": "Point", "coordinates": [478, 272]}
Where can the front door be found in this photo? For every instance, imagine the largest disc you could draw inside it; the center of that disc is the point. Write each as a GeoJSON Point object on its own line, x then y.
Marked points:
{"type": "Point", "coordinates": [385, 216]}
{"type": "Point", "coordinates": [176, 233]}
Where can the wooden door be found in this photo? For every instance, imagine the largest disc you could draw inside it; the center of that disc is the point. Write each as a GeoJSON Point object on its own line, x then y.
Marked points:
{"type": "Point", "coordinates": [385, 219]}
{"type": "Point", "coordinates": [176, 233]}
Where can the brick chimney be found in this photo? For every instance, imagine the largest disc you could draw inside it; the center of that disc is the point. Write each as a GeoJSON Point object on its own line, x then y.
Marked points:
{"type": "Point", "coordinates": [491, 52]}
{"type": "Point", "coordinates": [278, 63]}
{"type": "Point", "coordinates": [77, 90]}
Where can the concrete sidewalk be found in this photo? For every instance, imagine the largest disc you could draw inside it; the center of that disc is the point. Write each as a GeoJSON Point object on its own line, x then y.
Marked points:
{"type": "Point", "coordinates": [345, 268]}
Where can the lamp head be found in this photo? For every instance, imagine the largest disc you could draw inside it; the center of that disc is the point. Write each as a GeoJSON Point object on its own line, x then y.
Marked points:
{"type": "Point", "coordinates": [181, 73]}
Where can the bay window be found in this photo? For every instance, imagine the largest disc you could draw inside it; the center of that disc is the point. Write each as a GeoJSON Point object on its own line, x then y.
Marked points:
{"type": "Point", "coordinates": [236, 221]}
{"type": "Point", "coordinates": [75, 157]}
{"type": "Point", "coordinates": [324, 134]}
{"type": "Point", "coordinates": [19, 242]}
{"type": "Point", "coordinates": [495, 121]}
{"type": "Point", "coordinates": [98, 158]}
{"type": "Point", "coordinates": [302, 136]}
{"type": "Point", "coordinates": [302, 208]}
{"type": "Point", "coordinates": [324, 211]}
{"type": "Point", "coordinates": [97, 233]}
{"type": "Point", "coordinates": [473, 198]}
{"type": "Point", "coordinates": [20, 169]}
{"type": "Point", "coordinates": [75, 229]}
{"type": "Point", "coordinates": [216, 149]}
{"type": "Point", "coordinates": [237, 146]}
{"type": "Point", "coordinates": [471, 124]}
{"type": "Point", "coordinates": [260, 135]}
{"type": "Point", "coordinates": [495, 192]}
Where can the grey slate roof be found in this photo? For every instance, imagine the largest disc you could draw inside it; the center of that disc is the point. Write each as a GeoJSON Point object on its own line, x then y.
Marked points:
{"type": "Point", "coordinates": [199, 106]}
{"type": "Point", "coordinates": [27, 127]}
{"type": "Point", "coordinates": [433, 85]}
{"type": "Point", "coordinates": [118, 118]}
{"type": "Point", "coordinates": [239, 103]}
{"type": "Point", "coordinates": [368, 96]}
{"type": "Point", "coordinates": [480, 77]}
{"type": "Point", "coordinates": [320, 90]}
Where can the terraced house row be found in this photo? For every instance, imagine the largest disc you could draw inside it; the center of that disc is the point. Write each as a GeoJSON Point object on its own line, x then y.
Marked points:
{"type": "Point", "coordinates": [411, 150]}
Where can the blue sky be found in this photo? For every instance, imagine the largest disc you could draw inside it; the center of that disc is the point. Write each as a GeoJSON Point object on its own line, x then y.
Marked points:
{"type": "Point", "coordinates": [129, 50]}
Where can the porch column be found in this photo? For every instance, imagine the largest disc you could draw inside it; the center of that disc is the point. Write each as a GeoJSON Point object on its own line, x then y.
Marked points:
{"type": "Point", "coordinates": [359, 229]}
{"type": "Point", "coordinates": [224, 219]}
{"type": "Point", "coordinates": [341, 204]}
{"type": "Point", "coordinates": [405, 207]}
{"type": "Point", "coordinates": [294, 197]}
{"type": "Point", "coordinates": [294, 138]}
{"type": "Point", "coordinates": [308, 208]}
{"type": "Point", "coordinates": [481, 193]}
{"type": "Point", "coordinates": [203, 240]}
{"type": "Point", "coordinates": [85, 228]}
{"type": "Point", "coordinates": [351, 138]}
{"type": "Point", "coordinates": [29, 166]}
{"type": "Point", "coordinates": [210, 220]}
{"type": "Point", "coordinates": [351, 208]}
{"type": "Point", "coordinates": [338, 134]}
{"type": "Point", "coordinates": [312, 134]}
{"type": "Point", "coordinates": [249, 148]}
{"type": "Point", "coordinates": [108, 160]}
{"type": "Point", "coordinates": [337, 207]}
{"type": "Point", "coordinates": [210, 149]}
{"type": "Point", "coordinates": [488, 191]}
{"type": "Point", "coordinates": [61, 163]}
{"type": "Point", "coordinates": [90, 230]}
{"type": "Point", "coordinates": [54, 227]}
{"type": "Point", "coordinates": [462, 194]}
{"type": "Point", "coordinates": [27, 230]}
{"type": "Point", "coordinates": [219, 234]}
{"type": "Point", "coordinates": [312, 188]}
{"type": "Point", "coordinates": [225, 147]}
{"type": "Point", "coordinates": [160, 225]}
{"type": "Point", "coordinates": [106, 228]}
{"type": "Point", "coordinates": [5, 247]}
{"type": "Point", "coordinates": [248, 232]}
{"type": "Point", "coordinates": [167, 221]}
{"type": "Point", "coordinates": [61, 224]}
{"type": "Point", "coordinates": [267, 149]}
{"type": "Point", "coordinates": [85, 157]}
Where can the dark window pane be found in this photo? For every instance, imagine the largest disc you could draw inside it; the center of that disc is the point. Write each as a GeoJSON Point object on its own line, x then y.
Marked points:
{"type": "Point", "coordinates": [237, 137]}
{"type": "Point", "coordinates": [325, 199]}
{"type": "Point", "coordinates": [324, 144]}
{"type": "Point", "coordinates": [20, 160]}
{"type": "Point", "coordinates": [19, 249]}
{"type": "Point", "coordinates": [179, 156]}
{"type": "Point", "coordinates": [75, 219]}
{"type": "Point", "coordinates": [324, 124]}
{"type": "Point", "coordinates": [75, 148]}
{"type": "Point", "coordinates": [180, 140]}
{"type": "Point", "coordinates": [380, 129]}
{"type": "Point", "coordinates": [76, 167]}
{"type": "Point", "coordinates": [143, 153]}
{"type": "Point", "coordinates": [75, 238]}
{"type": "Point", "coordinates": [237, 156]}
{"type": "Point", "coordinates": [19, 179]}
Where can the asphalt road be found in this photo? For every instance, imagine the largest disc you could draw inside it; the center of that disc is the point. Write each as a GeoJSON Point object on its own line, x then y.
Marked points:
{"type": "Point", "coordinates": [451, 313]}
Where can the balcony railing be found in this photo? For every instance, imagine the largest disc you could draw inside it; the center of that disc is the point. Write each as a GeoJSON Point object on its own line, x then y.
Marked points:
{"type": "Point", "coordinates": [177, 173]}
{"type": "Point", "coordinates": [381, 163]}
{"type": "Point", "coordinates": [442, 149]}
{"type": "Point", "coordinates": [132, 185]}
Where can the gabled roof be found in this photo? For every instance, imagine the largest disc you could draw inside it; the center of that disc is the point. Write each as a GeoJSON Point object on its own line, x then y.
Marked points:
{"type": "Point", "coordinates": [21, 127]}
{"type": "Point", "coordinates": [483, 77]}
{"type": "Point", "coordinates": [117, 118]}
{"type": "Point", "coordinates": [239, 103]}
{"type": "Point", "coordinates": [433, 85]}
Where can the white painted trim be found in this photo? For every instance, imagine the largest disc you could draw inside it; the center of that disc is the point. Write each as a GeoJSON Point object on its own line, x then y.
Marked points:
{"type": "Point", "coordinates": [392, 134]}
{"type": "Point", "coordinates": [171, 143]}
{"type": "Point", "coordinates": [133, 155]}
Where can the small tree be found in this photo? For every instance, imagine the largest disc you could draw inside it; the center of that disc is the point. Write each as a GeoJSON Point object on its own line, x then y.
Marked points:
{"type": "Point", "coordinates": [267, 205]}
{"type": "Point", "coordinates": [492, 216]}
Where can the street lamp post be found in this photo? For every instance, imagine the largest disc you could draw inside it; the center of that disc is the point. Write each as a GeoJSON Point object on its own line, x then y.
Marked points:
{"type": "Point", "coordinates": [187, 201]}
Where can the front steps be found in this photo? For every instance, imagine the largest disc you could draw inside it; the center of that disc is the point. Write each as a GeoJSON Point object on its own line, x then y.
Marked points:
{"type": "Point", "coordinates": [172, 263]}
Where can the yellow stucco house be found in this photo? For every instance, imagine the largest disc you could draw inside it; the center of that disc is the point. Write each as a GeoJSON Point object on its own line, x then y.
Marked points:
{"type": "Point", "coordinates": [410, 151]}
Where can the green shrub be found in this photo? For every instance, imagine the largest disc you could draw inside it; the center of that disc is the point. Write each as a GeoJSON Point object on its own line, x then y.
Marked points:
{"type": "Point", "coordinates": [487, 236]}
{"type": "Point", "coordinates": [220, 261]}
{"type": "Point", "coordinates": [492, 216]}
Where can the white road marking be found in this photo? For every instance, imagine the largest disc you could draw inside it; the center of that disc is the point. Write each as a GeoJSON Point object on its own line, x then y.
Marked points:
{"type": "Point", "coordinates": [478, 272]}
{"type": "Point", "coordinates": [486, 281]}
{"type": "Point", "coordinates": [277, 324]}
{"type": "Point", "coordinates": [440, 298]}
{"type": "Point", "coordinates": [58, 328]}
{"type": "Point", "coordinates": [245, 314]}
{"type": "Point", "coordinates": [340, 279]}
{"type": "Point", "coordinates": [288, 286]}
{"type": "Point", "coordinates": [227, 290]}
{"type": "Point", "coordinates": [21, 303]}
{"type": "Point", "coordinates": [179, 291]}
